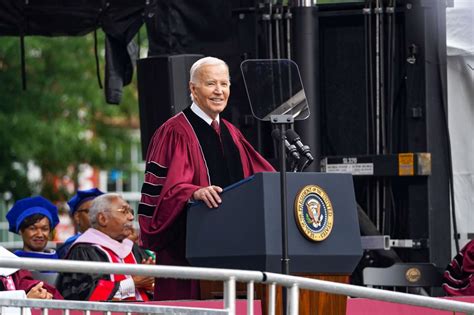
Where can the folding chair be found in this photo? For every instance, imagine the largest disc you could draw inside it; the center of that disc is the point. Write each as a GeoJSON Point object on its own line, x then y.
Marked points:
{"type": "Point", "coordinates": [408, 275]}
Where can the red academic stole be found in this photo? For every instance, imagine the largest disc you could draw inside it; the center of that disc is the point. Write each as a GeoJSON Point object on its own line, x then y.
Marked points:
{"type": "Point", "coordinates": [105, 288]}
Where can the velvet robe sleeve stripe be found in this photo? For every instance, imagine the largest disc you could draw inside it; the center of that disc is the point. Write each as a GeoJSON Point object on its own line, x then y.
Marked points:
{"type": "Point", "coordinates": [151, 190]}
{"type": "Point", "coordinates": [174, 147]}
{"type": "Point", "coordinates": [156, 169]}
{"type": "Point", "coordinates": [145, 210]}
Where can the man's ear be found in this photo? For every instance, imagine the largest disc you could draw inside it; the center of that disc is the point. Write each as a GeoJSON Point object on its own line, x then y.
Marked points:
{"type": "Point", "coordinates": [102, 219]}
{"type": "Point", "coordinates": [192, 87]}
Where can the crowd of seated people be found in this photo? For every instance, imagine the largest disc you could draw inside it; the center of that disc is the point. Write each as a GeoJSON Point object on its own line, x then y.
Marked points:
{"type": "Point", "coordinates": [105, 233]}
{"type": "Point", "coordinates": [104, 224]}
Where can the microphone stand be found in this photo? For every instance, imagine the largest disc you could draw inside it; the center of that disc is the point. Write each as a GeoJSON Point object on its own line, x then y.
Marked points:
{"type": "Point", "coordinates": [281, 122]}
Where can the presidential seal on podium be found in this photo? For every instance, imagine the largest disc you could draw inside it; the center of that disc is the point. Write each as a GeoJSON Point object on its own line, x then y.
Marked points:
{"type": "Point", "coordinates": [314, 213]}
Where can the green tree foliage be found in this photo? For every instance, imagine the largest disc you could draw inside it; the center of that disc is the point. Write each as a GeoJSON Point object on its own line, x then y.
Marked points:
{"type": "Point", "coordinates": [61, 120]}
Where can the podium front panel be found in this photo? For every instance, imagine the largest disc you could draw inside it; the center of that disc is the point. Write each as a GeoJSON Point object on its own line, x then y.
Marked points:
{"type": "Point", "coordinates": [232, 235]}
{"type": "Point", "coordinates": [245, 231]}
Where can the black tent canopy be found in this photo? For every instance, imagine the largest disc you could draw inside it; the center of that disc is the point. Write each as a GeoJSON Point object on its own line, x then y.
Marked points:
{"type": "Point", "coordinates": [119, 19]}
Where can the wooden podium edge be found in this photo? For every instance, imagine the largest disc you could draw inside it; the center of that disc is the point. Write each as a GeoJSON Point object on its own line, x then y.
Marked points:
{"type": "Point", "coordinates": [310, 302]}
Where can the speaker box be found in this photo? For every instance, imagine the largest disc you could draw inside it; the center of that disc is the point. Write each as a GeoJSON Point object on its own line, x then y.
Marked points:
{"type": "Point", "coordinates": [162, 91]}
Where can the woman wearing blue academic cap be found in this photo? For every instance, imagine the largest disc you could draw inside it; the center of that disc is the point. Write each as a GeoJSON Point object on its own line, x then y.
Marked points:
{"type": "Point", "coordinates": [33, 219]}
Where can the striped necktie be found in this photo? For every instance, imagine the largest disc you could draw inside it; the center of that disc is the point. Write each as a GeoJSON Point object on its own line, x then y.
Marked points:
{"type": "Point", "coordinates": [216, 127]}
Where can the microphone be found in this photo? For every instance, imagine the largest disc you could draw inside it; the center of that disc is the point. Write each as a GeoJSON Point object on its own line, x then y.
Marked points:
{"type": "Point", "coordinates": [290, 148]}
{"type": "Point", "coordinates": [296, 140]}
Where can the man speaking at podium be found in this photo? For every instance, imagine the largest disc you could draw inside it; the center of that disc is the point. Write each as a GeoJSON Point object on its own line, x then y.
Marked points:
{"type": "Point", "coordinates": [192, 156]}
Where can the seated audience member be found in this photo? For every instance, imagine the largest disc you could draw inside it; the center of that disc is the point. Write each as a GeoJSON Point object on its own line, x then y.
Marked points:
{"type": "Point", "coordinates": [107, 240]}
{"type": "Point", "coordinates": [33, 219]}
{"type": "Point", "coordinates": [23, 280]}
{"type": "Point", "coordinates": [79, 210]}
{"type": "Point", "coordinates": [458, 277]}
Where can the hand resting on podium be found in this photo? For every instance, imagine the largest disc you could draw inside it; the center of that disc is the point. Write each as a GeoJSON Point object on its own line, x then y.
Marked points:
{"type": "Point", "coordinates": [209, 195]}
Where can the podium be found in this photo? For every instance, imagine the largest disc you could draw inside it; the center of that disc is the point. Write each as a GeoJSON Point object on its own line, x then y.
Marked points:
{"type": "Point", "coordinates": [245, 233]}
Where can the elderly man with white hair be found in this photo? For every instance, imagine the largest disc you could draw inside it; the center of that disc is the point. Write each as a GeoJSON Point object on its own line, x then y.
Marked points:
{"type": "Point", "coordinates": [111, 219]}
{"type": "Point", "coordinates": [192, 156]}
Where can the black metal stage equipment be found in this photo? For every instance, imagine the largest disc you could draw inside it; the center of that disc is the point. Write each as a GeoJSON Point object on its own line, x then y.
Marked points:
{"type": "Point", "coordinates": [374, 73]}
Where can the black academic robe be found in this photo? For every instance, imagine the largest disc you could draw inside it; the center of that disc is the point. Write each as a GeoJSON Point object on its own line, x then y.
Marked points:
{"type": "Point", "coordinates": [92, 287]}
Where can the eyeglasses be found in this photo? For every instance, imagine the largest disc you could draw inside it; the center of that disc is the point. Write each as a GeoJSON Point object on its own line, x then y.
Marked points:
{"type": "Point", "coordinates": [126, 210]}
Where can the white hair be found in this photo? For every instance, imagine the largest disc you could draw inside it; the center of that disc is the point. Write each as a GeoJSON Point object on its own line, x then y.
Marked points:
{"type": "Point", "coordinates": [196, 68]}
{"type": "Point", "coordinates": [206, 61]}
{"type": "Point", "coordinates": [101, 204]}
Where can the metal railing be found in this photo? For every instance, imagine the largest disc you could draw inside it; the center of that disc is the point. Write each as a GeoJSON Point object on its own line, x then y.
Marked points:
{"type": "Point", "coordinates": [106, 307]}
{"type": "Point", "coordinates": [228, 276]}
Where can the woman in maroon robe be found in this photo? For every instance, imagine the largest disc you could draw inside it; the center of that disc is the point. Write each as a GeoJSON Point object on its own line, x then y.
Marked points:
{"type": "Point", "coordinates": [34, 289]}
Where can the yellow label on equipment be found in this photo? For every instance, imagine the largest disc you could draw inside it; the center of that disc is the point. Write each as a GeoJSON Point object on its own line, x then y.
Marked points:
{"type": "Point", "coordinates": [406, 164]}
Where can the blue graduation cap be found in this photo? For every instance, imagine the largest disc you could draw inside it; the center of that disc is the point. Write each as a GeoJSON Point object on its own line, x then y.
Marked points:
{"type": "Point", "coordinates": [82, 196]}
{"type": "Point", "coordinates": [27, 207]}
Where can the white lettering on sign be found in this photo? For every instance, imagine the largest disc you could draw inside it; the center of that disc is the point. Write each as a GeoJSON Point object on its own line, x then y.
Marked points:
{"type": "Point", "coordinates": [352, 160]}
{"type": "Point", "coordinates": [354, 169]}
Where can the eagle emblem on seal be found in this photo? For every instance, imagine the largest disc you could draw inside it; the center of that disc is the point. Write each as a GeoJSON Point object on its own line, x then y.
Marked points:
{"type": "Point", "coordinates": [314, 214]}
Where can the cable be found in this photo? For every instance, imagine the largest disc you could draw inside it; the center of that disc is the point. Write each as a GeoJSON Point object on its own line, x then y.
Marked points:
{"type": "Point", "coordinates": [392, 76]}
{"type": "Point", "coordinates": [288, 17]}
{"type": "Point", "coordinates": [97, 64]}
{"type": "Point", "coordinates": [257, 28]}
{"type": "Point", "coordinates": [277, 19]}
{"type": "Point", "coordinates": [23, 62]}
{"type": "Point", "coordinates": [270, 32]}
{"type": "Point", "coordinates": [441, 52]}
{"type": "Point", "coordinates": [139, 42]}
{"type": "Point", "coordinates": [371, 79]}
{"type": "Point", "coordinates": [367, 73]}
{"type": "Point", "coordinates": [391, 104]}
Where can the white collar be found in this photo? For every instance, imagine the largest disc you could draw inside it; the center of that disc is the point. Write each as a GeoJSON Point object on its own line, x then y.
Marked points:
{"type": "Point", "coordinates": [198, 111]}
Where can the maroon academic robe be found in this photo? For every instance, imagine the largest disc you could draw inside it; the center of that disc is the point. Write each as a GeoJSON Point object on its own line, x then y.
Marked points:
{"type": "Point", "coordinates": [458, 277]}
{"type": "Point", "coordinates": [23, 280]}
{"type": "Point", "coordinates": [175, 168]}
